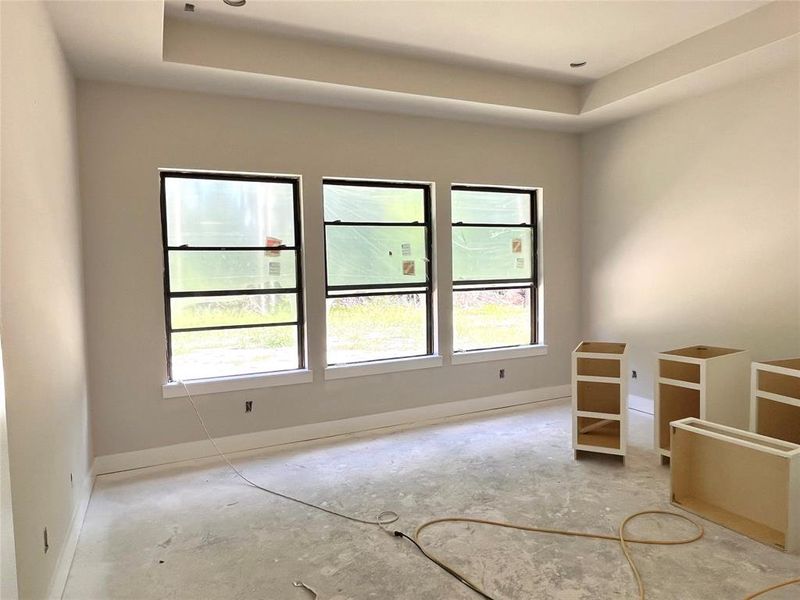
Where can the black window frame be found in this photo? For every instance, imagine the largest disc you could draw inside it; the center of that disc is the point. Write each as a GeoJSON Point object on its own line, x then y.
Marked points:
{"type": "Point", "coordinates": [298, 290]}
{"type": "Point", "coordinates": [389, 289]}
{"type": "Point", "coordinates": [531, 283]}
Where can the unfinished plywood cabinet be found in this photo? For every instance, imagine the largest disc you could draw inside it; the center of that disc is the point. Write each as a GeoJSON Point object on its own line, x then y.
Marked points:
{"type": "Point", "coordinates": [600, 398]}
{"type": "Point", "coordinates": [700, 381]}
{"type": "Point", "coordinates": [775, 399]}
{"type": "Point", "coordinates": [747, 482]}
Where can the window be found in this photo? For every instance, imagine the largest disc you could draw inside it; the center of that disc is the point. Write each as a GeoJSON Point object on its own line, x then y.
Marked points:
{"type": "Point", "coordinates": [494, 267]}
{"type": "Point", "coordinates": [232, 282]}
{"type": "Point", "coordinates": [378, 271]}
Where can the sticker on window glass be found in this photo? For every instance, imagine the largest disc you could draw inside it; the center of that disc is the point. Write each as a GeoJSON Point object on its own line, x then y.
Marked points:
{"type": "Point", "coordinates": [272, 243]}
{"type": "Point", "coordinates": [516, 246]}
{"type": "Point", "coordinates": [406, 249]}
{"type": "Point", "coordinates": [520, 263]}
{"type": "Point", "coordinates": [408, 267]}
{"type": "Point", "coordinates": [274, 268]}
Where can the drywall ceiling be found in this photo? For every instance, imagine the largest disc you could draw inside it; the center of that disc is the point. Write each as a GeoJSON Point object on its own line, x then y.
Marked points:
{"type": "Point", "coordinates": [539, 38]}
{"type": "Point", "coordinates": [304, 52]}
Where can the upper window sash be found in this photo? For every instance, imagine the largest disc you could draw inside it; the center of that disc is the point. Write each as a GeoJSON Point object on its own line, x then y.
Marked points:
{"type": "Point", "coordinates": [482, 206]}
{"type": "Point", "coordinates": [491, 221]}
{"type": "Point", "coordinates": [247, 211]}
{"type": "Point", "coordinates": [373, 212]}
{"type": "Point", "coordinates": [375, 203]}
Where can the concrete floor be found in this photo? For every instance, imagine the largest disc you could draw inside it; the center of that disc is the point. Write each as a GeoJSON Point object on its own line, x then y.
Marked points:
{"type": "Point", "coordinates": [195, 531]}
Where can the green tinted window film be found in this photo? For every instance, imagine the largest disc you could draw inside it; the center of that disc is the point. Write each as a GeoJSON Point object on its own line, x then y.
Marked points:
{"type": "Point", "coordinates": [233, 294]}
{"type": "Point", "coordinates": [377, 249]}
{"type": "Point", "coordinates": [225, 213]}
{"type": "Point", "coordinates": [373, 255]}
{"type": "Point", "coordinates": [478, 206]}
{"type": "Point", "coordinates": [374, 204]}
{"type": "Point", "coordinates": [492, 253]}
{"type": "Point", "coordinates": [200, 270]}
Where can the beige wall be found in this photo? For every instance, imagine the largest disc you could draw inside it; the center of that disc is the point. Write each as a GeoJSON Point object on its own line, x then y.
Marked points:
{"type": "Point", "coordinates": [127, 133]}
{"type": "Point", "coordinates": [8, 552]}
{"type": "Point", "coordinates": [690, 225]}
{"type": "Point", "coordinates": [41, 308]}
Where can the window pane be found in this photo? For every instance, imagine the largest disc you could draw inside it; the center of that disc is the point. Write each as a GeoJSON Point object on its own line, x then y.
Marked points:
{"type": "Point", "coordinates": [364, 255]}
{"type": "Point", "coordinates": [475, 206]}
{"type": "Point", "coordinates": [491, 318]}
{"type": "Point", "coordinates": [200, 270]}
{"type": "Point", "coordinates": [212, 311]}
{"type": "Point", "coordinates": [200, 354]}
{"type": "Point", "coordinates": [376, 204]}
{"type": "Point", "coordinates": [491, 253]}
{"type": "Point", "coordinates": [376, 327]}
{"type": "Point", "coordinates": [215, 212]}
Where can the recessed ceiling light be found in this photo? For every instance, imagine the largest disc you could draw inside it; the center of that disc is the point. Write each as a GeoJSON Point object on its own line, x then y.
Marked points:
{"type": "Point", "coordinates": [576, 65]}
{"type": "Point", "coordinates": [236, 3]}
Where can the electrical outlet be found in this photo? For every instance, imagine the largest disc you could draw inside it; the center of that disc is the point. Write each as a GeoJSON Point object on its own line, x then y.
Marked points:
{"type": "Point", "coordinates": [633, 375]}
{"type": "Point", "coordinates": [248, 406]}
{"type": "Point", "coordinates": [46, 542]}
{"type": "Point", "coordinates": [502, 373]}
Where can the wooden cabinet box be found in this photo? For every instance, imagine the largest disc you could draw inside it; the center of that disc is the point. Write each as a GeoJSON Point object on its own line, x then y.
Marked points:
{"type": "Point", "coordinates": [744, 481]}
{"type": "Point", "coordinates": [700, 381]}
{"type": "Point", "coordinates": [775, 399]}
{"type": "Point", "coordinates": [600, 398]}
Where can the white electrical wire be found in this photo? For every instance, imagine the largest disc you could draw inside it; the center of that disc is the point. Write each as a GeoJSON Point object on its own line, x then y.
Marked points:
{"type": "Point", "coordinates": [300, 584]}
{"type": "Point", "coordinates": [387, 517]}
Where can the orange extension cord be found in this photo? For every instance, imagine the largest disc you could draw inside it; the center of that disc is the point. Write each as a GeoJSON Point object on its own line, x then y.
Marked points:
{"type": "Point", "coordinates": [774, 587]}
{"type": "Point", "coordinates": [388, 517]}
{"type": "Point", "coordinates": [620, 538]}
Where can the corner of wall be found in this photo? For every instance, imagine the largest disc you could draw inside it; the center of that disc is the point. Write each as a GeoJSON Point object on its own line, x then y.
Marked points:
{"type": "Point", "coordinates": [49, 442]}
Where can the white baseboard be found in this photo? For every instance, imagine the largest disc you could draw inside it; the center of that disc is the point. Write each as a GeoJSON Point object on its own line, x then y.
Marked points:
{"type": "Point", "coordinates": [64, 560]}
{"type": "Point", "coordinates": [642, 404]}
{"type": "Point", "coordinates": [124, 461]}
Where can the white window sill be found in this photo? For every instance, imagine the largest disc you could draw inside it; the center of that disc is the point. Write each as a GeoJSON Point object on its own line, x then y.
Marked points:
{"type": "Point", "coordinates": [236, 383]}
{"type": "Point", "coordinates": [383, 366]}
{"type": "Point", "coordinates": [476, 356]}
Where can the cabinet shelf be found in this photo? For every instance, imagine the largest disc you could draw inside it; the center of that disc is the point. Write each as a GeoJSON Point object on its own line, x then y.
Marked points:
{"type": "Point", "coordinates": [598, 415]}
{"type": "Point", "coordinates": [679, 383]}
{"type": "Point", "coordinates": [597, 379]}
{"type": "Point", "coordinates": [599, 432]}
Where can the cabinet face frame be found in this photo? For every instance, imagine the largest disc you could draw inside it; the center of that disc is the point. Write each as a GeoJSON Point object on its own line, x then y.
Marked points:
{"type": "Point", "coordinates": [738, 479]}
{"type": "Point", "coordinates": [722, 386]}
{"type": "Point", "coordinates": [785, 372]}
{"type": "Point", "coordinates": [596, 357]}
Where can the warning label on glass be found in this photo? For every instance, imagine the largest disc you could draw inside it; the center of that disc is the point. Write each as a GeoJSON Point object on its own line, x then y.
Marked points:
{"type": "Point", "coordinates": [406, 249]}
{"type": "Point", "coordinates": [274, 268]}
{"type": "Point", "coordinates": [408, 267]}
{"type": "Point", "coordinates": [272, 243]}
{"type": "Point", "coordinates": [516, 246]}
